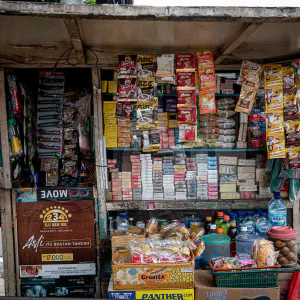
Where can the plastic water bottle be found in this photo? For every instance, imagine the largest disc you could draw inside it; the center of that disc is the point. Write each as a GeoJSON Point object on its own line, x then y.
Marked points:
{"type": "Point", "coordinates": [244, 230]}
{"type": "Point", "coordinates": [249, 222]}
{"type": "Point", "coordinates": [240, 219]}
{"type": "Point", "coordinates": [262, 225]}
{"type": "Point", "coordinates": [123, 223]}
{"type": "Point", "coordinates": [257, 214]}
{"type": "Point", "coordinates": [277, 211]}
{"type": "Point", "coordinates": [233, 217]}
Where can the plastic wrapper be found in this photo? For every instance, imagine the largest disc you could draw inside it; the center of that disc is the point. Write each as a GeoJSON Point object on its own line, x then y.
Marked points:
{"type": "Point", "coordinates": [239, 261]}
{"type": "Point", "coordinates": [127, 90]}
{"type": "Point", "coordinates": [274, 122]}
{"type": "Point", "coordinates": [264, 254]}
{"type": "Point", "coordinates": [146, 115]}
{"type": "Point", "coordinates": [159, 251]}
{"type": "Point", "coordinates": [187, 114]}
{"type": "Point", "coordinates": [250, 71]}
{"type": "Point", "coordinates": [288, 76]}
{"type": "Point", "coordinates": [145, 89]}
{"type": "Point", "coordinates": [247, 98]}
{"type": "Point", "coordinates": [173, 229]}
{"type": "Point", "coordinates": [276, 145]}
{"type": "Point", "coordinates": [186, 81]}
{"type": "Point", "coordinates": [152, 226]}
{"type": "Point", "coordinates": [197, 234]}
{"type": "Point", "coordinates": [207, 102]}
{"type": "Point", "coordinates": [200, 249]}
{"type": "Point", "coordinates": [146, 65]}
{"type": "Point", "coordinates": [185, 62]}
{"type": "Point", "coordinates": [186, 96]}
{"type": "Point", "coordinates": [127, 65]}
{"type": "Point", "coordinates": [165, 68]}
{"type": "Point", "coordinates": [187, 133]}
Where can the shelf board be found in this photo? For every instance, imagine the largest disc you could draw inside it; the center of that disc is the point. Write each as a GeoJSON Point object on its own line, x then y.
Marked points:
{"type": "Point", "coordinates": [189, 205]}
{"type": "Point", "coordinates": [175, 95]}
{"type": "Point", "coordinates": [193, 150]}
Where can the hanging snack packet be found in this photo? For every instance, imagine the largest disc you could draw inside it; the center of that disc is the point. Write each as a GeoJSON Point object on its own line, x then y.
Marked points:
{"type": "Point", "coordinates": [274, 122]}
{"type": "Point", "coordinates": [186, 96]}
{"type": "Point", "coordinates": [247, 98]}
{"type": "Point", "coordinates": [187, 133]}
{"type": "Point", "coordinates": [151, 141]}
{"type": "Point", "coordinates": [165, 68]}
{"type": "Point", "coordinates": [288, 77]}
{"type": "Point", "coordinates": [127, 89]}
{"type": "Point", "coordinates": [109, 107]}
{"type": "Point", "coordinates": [127, 65]}
{"type": "Point", "coordinates": [207, 102]}
{"type": "Point", "coordinates": [146, 115]}
{"type": "Point", "coordinates": [276, 145]}
{"type": "Point", "coordinates": [274, 98]}
{"type": "Point", "coordinates": [186, 81]}
{"type": "Point", "coordinates": [145, 89]}
{"type": "Point", "coordinates": [187, 114]}
{"type": "Point", "coordinates": [292, 131]}
{"type": "Point", "coordinates": [207, 81]}
{"type": "Point", "coordinates": [250, 72]}
{"type": "Point", "coordinates": [273, 75]}
{"type": "Point", "coordinates": [185, 62]}
{"type": "Point", "coordinates": [146, 66]}
{"type": "Point", "coordinates": [205, 62]}
{"type": "Point", "coordinates": [294, 156]}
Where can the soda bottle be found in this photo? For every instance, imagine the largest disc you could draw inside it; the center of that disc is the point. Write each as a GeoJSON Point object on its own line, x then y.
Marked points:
{"type": "Point", "coordinates": [219, 231]}
{"type": "Point", "coordinates": [219, 219]}
{"type": "Point", "coordinates": [232, 233]}
{"type": "Point", "coordinates": [207, 224]}
{"type": "Point", "coordinates": [212, 229]}
{"type": "Point", "coordinates": [225, 225]}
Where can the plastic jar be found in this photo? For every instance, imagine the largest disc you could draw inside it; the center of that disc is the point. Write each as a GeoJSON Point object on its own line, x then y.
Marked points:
{"type": "Point", "coordinates": [284, 239]}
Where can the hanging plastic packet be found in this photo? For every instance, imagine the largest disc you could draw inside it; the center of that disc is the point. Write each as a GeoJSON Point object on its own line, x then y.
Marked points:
{"type": "Point", "coordinates": [146, 66]}
{"type": "Point", "coordinates": [250, 72]}
{"type": "Point", "coordinates": [187, 114]}
{"type": "Point", "coordinates": [145, 89]}
{"type": "Point", "coordinates": [294, 156]}
{"type": "Point", "coordinates": [165, 69]}
{"type": "Point", "coordinates": [292, 131]}
{"type": "Point", "coordinates": [69, 117]}
{"type": "Point", "coordinates": [50, 166]}
{"type": "Point", "coordinates": [288, 77]}
{"type": "Point", "coordinates": [127, 89]}
{"type": "Point", "coordinates": [185, 62]}
{"type": "Point", "coordinates": [247, 98]}
{"type": "Point", "coordinates": [274, 122]}
{"type": "Point", "coordinates": [207, 102]}
{"type": "Point", "coordinates": [13, 134]}
{"type": "Point", "coordinates": [127, 65]}
{"type": "Point", "coordinates": [69, 168]}
{"type": "Point", "coordinates": [151, 141]}
{"type": "Point", "coordinates": [84, 136]}
{"type": "Point", "coordinates": [187, 133]}
{"type": "Point", "coordinates": [274, 98]}
{"type": "Point", "coordinates": [146, 115]}
{"type": "Point", "coordinates": [186, 81]}
{"type": "Point", "coordinates": [15, 100]}
{"type": "Point", "coordinates": [186, 97]}
{"type": "Point", "coordinates": [276, 145]}
{"type": "Point", "coordinates": [109, 107]}
{"type": "Point", "coordinates": [70, 135]}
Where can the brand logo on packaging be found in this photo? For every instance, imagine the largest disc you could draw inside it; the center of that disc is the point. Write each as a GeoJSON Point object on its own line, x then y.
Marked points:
{"type": "Point", "coordinates": [55, 216]}
{"type": "Point", "coordinates": [151, 278]}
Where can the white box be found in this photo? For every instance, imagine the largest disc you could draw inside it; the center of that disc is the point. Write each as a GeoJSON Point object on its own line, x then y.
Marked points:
{"type": "Point", "coordinates": [247, 162]}
{"type": "Point", "coordinates": [246, 176]}
{"type": "Point", "coordinates": [262, 175]}
{"type": "Point", "coordinates": [230, 196]}
{"type": "Point", "coordinates": [246, 182]}
{"type": "Point", "coordinates": [225, 169]}
{"type": "Point", "coordinates": [248, 188]}
{"type": "Point", "coordinates": [228, 160]}
{"type": "Point", "coordinates": [246, 170]}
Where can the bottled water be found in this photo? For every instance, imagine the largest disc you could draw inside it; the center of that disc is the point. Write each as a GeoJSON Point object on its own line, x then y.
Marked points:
{"type": "Point", "coordinates": [243, 230]}
{"type": "Point", "coordinates": [233, 217]}
{"type": "Point", "coordinates": [123, 223]}
{"type": "Point", "coordinates": [257, 214]}
{"type": "Point", "coordinates": [240, 218]}
{"type": "Point", "coordinates": [262, 225]}
{"type": "Point", "coordinates": [249, 222]}
{"type": "Point", "coordinates": [277, 211]}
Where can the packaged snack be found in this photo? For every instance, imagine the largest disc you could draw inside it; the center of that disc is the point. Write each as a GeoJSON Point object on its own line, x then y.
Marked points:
{"type": "Point", "coordinates": [186, 80]}
{"type": "Point", "coordinates": [152, 226]}
{"type": "Point", "coordinates": [186, 96]}
{"type": "Point", "coordinates": [246, 99]}
{"type": "Point", "coordinates": [263, 253]}
{"type": "Point", "coordinates": [146, 115]}
{"type": "Point", "coordinates": [187, 113]}
{"type": "Point", "coordinates": [274, 122]}
{"type": "Point", "coordinates": [151, 141]}
{"type": "Point", "coordinates": [127, 89]}
{"type": "Point", "coordinates": [276, 145]}
{"type": "Point", "coordinates": [127, 65]}
{"type": "Point", "coordinates": [250, 72]}
{"type": "Point", "coordinates": [207, 81]}
{"type": "Point", "coordinates": [165, 68]}
{"type": "Point", "coordinates": [205, 61]}
{"type": "Point", "coordinates": [185, 62]}
{"type": "Point", "coordinates": [288, 76]}
{"type": "Point", "coordinates": [145, 89]}
{"type": "Point", "coordinates": [207, 102]}
{"type": "Point", "coordinates": [187, 133]}
{"type": "Point", "coordinates": [273, 75]}
{"type": "Point", "coordinates": [146, 66]}
{"type": "Point", "coordinates": [109, 107]}
{"type": "Point", "coordinates": [274, 98]}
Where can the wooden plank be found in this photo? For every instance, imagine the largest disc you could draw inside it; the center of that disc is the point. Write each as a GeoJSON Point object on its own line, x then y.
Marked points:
{"type": "Point", "coordinates": [187, 205]}
{"type": "Point", "coordinates": [296, 217]}
{"type": "Point", "coordinates": [75, 33]}
{"type": "Point", "coordinates": [15, 229]}
{"type": "Point", "coordinates": [240, 36]}
{"type": "Point", "coordinates": [8, 243]}
{"type": "Point", "coordinates": [4, 134]}
{"type": "Point", "coordinates": [12, 57]}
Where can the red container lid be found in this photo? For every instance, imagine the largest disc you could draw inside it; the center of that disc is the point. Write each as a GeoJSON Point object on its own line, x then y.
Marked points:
{"type": "Point", "coordinates": [220, 214]}
{"type": "Point", "coordinates": [282, 232]}
{"type": "Point", "coordinates": [226, 218]}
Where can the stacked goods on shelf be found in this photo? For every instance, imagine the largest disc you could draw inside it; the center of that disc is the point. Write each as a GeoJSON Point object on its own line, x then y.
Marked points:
{"type": "Point", "coordinates": [180, 172]}
{"type": "Point", "coordinates": [274, 110]}
{"type": "Point", "coordinates": [228, 177]}
{"type": "Point", "coordinates": [147, 174]}
{"type": "Point", "coordinates": [158, 187]}
{"type": "Point", "coordinates": [168, 177]}
{"type": "Point", "coordinates": [136, 179]}
{"type": "Point", "coordinates": [263, 178]}
{"type": "Point", "coordinates": [110, 124]}
{"type": "Point", "coordinates": [247, 187]}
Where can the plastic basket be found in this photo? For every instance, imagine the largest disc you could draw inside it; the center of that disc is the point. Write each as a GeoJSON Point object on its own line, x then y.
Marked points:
{"type": "Point", "coordinates": [246, 278]}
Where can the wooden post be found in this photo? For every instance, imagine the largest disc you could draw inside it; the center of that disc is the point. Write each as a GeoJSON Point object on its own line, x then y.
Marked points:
{"type": "Point", "coordinates": [4, 134]}
{"type": "Point", "coordinates": [8, 243]}
{"type": "Point", "coordinates": [100, 170]}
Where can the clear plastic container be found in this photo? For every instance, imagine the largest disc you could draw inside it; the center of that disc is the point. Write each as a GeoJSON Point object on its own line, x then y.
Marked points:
{"type": "Point", "coordinates": [215, 245]}
{"type": "Point", "coordinates": [244, 243]}
{"type": "Point", "coordinates": [277, 211]}
{"type": "Point", "coordinates": [123, 223]}
{"type": "Point", "coordinates": [249, 222]}
{"type": "Point", "coordinates": [284, 239]}
{"type": "Point", "coordinates": [262, 225]}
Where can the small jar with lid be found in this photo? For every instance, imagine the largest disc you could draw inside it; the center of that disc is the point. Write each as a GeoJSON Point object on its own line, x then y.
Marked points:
{"type": "Point", "coordinates": [284, 239]}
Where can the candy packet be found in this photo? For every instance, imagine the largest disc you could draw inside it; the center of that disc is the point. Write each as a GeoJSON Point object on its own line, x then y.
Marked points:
{"type": "Point", "coordinates": [186, 96]}
{"type": "Point", "coordinates": [187, 114]}
{"type": "Point", "coordinates": [207, 102]}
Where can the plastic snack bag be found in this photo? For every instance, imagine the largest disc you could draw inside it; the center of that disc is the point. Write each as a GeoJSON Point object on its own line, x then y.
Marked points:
{"type": "Point", "coordinates": [127, 65]}
{"type": "Point", "coordinates": [146, 115]}
{"type": "Point", "coordinates": [187, 114]}
{"type": "Point", "coordinates": [274, 122]}
{"type": "Point", "coordinates": [186, 96]}
{"type": "Point", "coordinates": [146, 66]}
{"type": "Point", "coordinates": [264, 254]}
{"type": "Point", "coordinates": [185, 62]}
{"type": "Point", "coordinates": [276, 145]}
{"type": "Point", "coordinates": [247, 98]}
{"type": "Point", "coordinates": [165, 68]}
{"type": "Point", "coordinates": [207, 102]}
{"type": "Point", "coordinates": [250, 72]}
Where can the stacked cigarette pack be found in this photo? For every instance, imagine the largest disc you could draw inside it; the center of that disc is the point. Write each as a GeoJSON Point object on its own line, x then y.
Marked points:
{"type": "Point", "coordinates": [147, 182]}
{"type": "Point", "coordinates": [202, 176]}
{"type": "Point", "coordinates": [136, 179]}
{"type": "Point", "coordinates": [247, 186]}
{"type": "Point", "coordinates": [168, 178]}
{"type": "Point", "coordinates": [158, 178]}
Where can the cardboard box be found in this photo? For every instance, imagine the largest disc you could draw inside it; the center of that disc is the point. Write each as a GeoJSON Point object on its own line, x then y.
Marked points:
{"type": "Point", "coordinates": [184, 294]}
{"type": "Point", "coordinates": [205, 290]}
{"type": "Point", "coordinates": [138, 276]}
{"type": "Point", "coordinates": [227, 160]}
